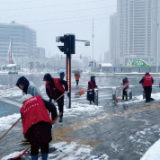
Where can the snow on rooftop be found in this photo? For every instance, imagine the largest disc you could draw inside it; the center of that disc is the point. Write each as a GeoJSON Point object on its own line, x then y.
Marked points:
{"type": "Point", "coordinates": [11, 65]}
{"type": "Point", "coordinates": [106, 64]}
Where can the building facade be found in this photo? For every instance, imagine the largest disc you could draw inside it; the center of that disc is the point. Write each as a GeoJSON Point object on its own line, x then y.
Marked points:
{"type": "Point", "coordinates": [113, 39]}
{"type": "Point", "coordinates": [106, 57]}
{"type": "Point", "coordinates": [23, 38]}
{"type": "Point", "coordinates": [137, 32]}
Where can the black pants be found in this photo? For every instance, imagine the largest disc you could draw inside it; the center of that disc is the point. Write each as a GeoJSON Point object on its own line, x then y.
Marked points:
{"type": "Point", "coordinates": [39, 136]}
{"type": "Point", "coordinates": [60, 102]}
{"type": "Point", "coordinates": [148, 91]}
{"type": "Point", "coordinates": [77, 82]}
{"type": "Point", "coordinates": [44, 149]}
{"type": "Point", "coordinates": [90, 96]}
{"type": "Point", "coordinates": [124, 94]}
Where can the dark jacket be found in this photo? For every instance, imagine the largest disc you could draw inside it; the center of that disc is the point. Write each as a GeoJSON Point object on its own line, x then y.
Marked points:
{"type": "Point", "coordinates": [53, 88]}
{"type": "Point", "coordinates": [29, 87]}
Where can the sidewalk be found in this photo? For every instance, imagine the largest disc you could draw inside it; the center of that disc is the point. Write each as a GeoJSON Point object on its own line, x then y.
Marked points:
{"type": "Point", "coordinates": [104, 132]}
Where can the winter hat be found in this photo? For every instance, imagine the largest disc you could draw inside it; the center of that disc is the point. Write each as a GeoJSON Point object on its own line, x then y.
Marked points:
{"type": "Point", "coordinates": [25, 97]}
{"type": "Point", "coordinates": [47, 77]}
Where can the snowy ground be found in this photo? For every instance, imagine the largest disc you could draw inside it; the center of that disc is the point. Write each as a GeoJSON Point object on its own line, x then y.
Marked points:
{"type": "Point", "coordinates": [71, 151]}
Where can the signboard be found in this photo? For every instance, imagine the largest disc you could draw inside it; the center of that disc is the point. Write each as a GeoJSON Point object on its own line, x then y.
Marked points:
{"type": "Point", "coordinates": [90, 63]}
{"type": "Point", "coordinates": [139, 63]}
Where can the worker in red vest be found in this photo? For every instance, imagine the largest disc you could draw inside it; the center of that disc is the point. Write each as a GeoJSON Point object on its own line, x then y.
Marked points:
{"type": "Point", "coordinates": [54, 89]}
{"type": "Point", "coordinates": [77, 76]}
{"type": "Point", "coordinates": [125, 87]}
{"type": "Point", "coordinates": [37, 124]}
{"type": "Point", "coordinates": [147, 82]}
{"type": "Point", "coordinates": [90, 91]}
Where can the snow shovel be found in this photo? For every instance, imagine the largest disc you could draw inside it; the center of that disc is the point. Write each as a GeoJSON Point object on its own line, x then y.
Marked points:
{"type": "Point", "coordinates": [24, 152]}
{"type": "Point", "coordinates": [80, 93]}
{"type": "Point", "coordinates": [20, 118]}
{"type": "Point", "coordinates": [118, 94]}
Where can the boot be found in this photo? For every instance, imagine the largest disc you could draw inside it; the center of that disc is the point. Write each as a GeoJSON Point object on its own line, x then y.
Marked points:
{"type": "Point", "coordinates": [122, 98]}
{"type": "Point", "coordinates": [44, 156]}
{"type": "Point", "coordinates": [61, 119]}
{"type": "Point", "coordinates": [34, 157]}
{"type": "Point", "coordinates": [25, 141]}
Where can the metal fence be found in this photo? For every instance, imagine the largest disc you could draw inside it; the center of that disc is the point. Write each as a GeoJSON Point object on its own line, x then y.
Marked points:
{"type": "Point", "coordinates": [126, 69]}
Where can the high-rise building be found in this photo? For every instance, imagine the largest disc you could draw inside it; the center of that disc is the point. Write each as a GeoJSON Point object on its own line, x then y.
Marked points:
{"type": "Point", "coordinates": [106, 57]}
{"type": "Point", "coordinates": [23, 41]}
{"type": "Point", "coordinates": [113, 39]}
{"type": "Point", "coordinates": [137, 30]}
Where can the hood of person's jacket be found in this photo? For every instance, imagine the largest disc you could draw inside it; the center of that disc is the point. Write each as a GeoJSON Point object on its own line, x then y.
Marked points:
{"type": "Point", "coordinates": [47, 77]}
{"type": "Point", "coordinates": [92, 78]}
{"type": "Point", "coordinates": [147, 73]}
{"type": "Point", "coordinates": [23, 81]}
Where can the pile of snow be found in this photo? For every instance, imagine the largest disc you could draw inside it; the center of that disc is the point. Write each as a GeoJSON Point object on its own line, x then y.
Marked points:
{"type": "Point", "coordinates": [77, 109]}
{"type": "Point", "coordinates": [7, 121]}
{"type": "Point", "coordinates": [153, 152]}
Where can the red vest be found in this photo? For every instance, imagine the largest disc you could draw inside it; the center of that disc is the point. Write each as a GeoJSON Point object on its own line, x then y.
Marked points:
{"type": "Point", "coordinates": [58, 85]}
{"type": "Point", "coordinates": [92, 85]}
{"type": "Point", "coordinates": [147, 81]}
{"type": "Point", "coordinates": [125, 84]}
{"type": "Point", "coordinates": [34, 111]}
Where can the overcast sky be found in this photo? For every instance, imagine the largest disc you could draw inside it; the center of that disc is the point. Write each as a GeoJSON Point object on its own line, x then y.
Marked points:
{"type": "Point", "coordinates": [51, 18]}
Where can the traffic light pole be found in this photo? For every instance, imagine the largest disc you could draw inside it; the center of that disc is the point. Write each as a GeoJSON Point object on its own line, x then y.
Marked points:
{"type": "Point", "coordinates": [68, 70]}
{"type": "Point", "coordinates": [69, 49]}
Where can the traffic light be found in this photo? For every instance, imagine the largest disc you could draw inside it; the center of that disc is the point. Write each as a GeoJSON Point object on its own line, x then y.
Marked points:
{"type": "Point", "coordinates": [69, 44]}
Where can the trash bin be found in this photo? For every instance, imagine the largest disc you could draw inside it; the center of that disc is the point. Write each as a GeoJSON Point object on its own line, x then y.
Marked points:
{"type": "Point", "coordinates": [96, 97]}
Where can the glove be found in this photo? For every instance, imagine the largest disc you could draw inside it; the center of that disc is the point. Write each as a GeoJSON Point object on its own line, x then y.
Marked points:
{"type": "Point", "coordinates": [68, 94]}
{"type": "Point", "coordinates": [53, 122]}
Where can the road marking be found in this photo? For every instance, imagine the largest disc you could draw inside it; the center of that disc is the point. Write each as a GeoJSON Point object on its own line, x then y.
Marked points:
{"type": "Point", "coordinates": [1, 112]}
{"type": "Point", "coordinates": [60, 135]}
{"type": "Point", "coordinates": [10, 102]}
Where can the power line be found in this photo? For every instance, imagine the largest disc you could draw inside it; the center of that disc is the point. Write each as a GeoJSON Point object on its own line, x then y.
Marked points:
{"type": "Point", "coordinates": [69, 11]}
{"type": "Point", "coordinates": [21, 2]}
{"type": "Point", "coordinates": [51, 22]}
{"type": "Point", "coordinates": [52, 6]}
{"type": "Point", "coordinates": [63, 18]}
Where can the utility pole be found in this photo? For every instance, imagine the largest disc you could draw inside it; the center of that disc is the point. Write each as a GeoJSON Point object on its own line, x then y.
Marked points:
{"type": "Point", "coordinates": [93, 39]}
